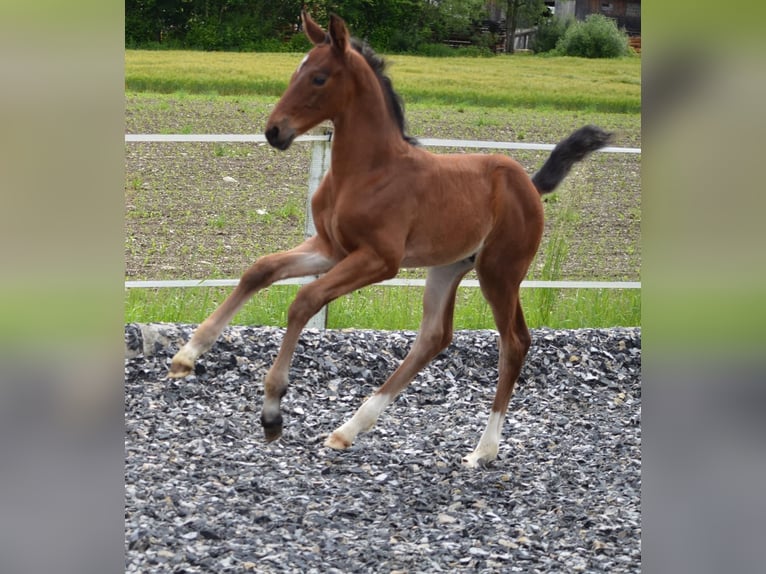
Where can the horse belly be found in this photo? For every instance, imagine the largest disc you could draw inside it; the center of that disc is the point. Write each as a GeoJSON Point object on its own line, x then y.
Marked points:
{"type": "Point", "coordinates": [454, 218]}
{"type": "Point", "coordinates": [444, 242]}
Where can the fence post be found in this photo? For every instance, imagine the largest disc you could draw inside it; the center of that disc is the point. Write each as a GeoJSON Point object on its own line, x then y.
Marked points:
{"type": "Point", "coordinates": [320, 163]}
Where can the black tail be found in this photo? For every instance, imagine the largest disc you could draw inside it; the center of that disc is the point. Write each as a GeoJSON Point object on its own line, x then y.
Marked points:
{"type": "Point", "coordinates": [567, 153]}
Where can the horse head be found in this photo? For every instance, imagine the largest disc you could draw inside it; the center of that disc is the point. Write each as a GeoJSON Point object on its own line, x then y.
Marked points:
{"type": "Point", "coordinates": [318, 89]}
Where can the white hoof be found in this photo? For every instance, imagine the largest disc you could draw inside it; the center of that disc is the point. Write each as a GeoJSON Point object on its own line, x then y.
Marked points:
{"type": "Point", "coordinates": [336, 442]}
{"type": "Point", "coordinates": [182, 365]}
{"type": "Point", "coordinates": [479, 458]}
{"type": "Point", "coordinates": [486, 451]}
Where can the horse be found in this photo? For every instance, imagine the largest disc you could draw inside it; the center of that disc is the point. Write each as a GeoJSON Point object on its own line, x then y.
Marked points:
{"type": "Point", "coordinates": [384, 204]}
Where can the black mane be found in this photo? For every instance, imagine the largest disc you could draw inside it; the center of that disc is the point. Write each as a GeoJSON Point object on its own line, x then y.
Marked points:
{"type": "Point", "coordinates": [395, 103]}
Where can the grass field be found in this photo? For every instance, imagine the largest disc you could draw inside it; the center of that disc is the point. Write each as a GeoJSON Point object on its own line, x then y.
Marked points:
{"type": "Point", "coordinates": [390, 308]}
{"type": "Point", "coordinates": [522, 98]}
{"type": "Point", "coordinates": [521, 81]}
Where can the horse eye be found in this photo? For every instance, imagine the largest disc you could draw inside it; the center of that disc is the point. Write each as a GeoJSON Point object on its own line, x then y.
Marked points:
{"type": "Point", "coordinates": [319, 80]}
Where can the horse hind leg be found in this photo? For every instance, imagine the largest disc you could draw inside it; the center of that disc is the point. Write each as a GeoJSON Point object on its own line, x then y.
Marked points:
{"type": "Point", "coordinates": [434, 335]}
{"type": "Point", "coordinates": [514, 344]}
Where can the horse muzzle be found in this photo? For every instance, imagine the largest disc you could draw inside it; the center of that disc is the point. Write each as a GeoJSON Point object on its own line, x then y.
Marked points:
{"type": "Point", "coordinates": [280, 137]}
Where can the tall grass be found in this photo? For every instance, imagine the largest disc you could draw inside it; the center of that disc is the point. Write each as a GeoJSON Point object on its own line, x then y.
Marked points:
{"type": "Point", "coordinates": [543, 302]}
{"type": "Point", "coordinates": [560, 83]}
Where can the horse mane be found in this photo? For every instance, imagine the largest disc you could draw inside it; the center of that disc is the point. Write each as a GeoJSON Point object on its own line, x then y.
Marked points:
{"type": "Point", "coordinates": [395, 102]}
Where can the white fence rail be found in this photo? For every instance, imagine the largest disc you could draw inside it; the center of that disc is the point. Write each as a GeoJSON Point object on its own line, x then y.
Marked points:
{"type": "Point", "coordinates": [388, 283]}
{"type": "Point", "coordinates": [320, 163]}
{"type": "Point", "coordinates": [426, 142]}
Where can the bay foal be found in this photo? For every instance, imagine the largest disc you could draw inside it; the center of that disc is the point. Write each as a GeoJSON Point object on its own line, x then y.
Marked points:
{"type": "Point", "coordinates": [384, 204]}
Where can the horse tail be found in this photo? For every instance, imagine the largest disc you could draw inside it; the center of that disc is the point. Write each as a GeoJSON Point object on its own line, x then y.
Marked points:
{"type": "Point", "coordinates": [567, 153]}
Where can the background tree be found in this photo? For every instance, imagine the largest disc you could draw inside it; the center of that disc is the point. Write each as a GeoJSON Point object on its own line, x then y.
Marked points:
{"type": "Point", "coordinates": [396, 25]}
{"type": "Point", "coordinates": [522, 13]}
{"type": "Point", "coordinates": [458, 15]}
{"type": "Point", "coordinates": [155, 21]}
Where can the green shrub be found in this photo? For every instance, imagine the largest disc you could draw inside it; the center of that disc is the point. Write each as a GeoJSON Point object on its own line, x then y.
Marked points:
{"type": "Point", "coordinates": [269, 45]}
{"type": "Point", "coordinates": [549, 32]}
{"type": "Point", "coordinates": [400, 41]}
{"type": "Point", "coordinates": [436, 51]}
{"type": "Point", "coordinates": [299, 43]}
{"type": "Point", "coordinates": [596, 37]}
{"type": "Point", "coordinates": [487, 42]}
{"type": "Point", "coordinates": [203, 35]}
{"type": "Point", "coordinates": [445, 51]}
{"type": "Point", "coordinates": [474, 52]}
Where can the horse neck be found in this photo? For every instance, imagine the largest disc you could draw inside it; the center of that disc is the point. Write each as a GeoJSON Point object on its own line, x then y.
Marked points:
{"type": "Point", "coordinates": [366, 135]}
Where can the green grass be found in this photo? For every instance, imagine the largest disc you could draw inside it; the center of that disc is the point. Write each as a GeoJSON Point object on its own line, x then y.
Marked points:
{"type": "Point", "coordinates": [194, 304]}
{"type": "Point", "coordinates": [611, 85]}
{"type": "Point", "coordinates": [401, 308]}
{"type": "Point", "coordinates": [387, 308]}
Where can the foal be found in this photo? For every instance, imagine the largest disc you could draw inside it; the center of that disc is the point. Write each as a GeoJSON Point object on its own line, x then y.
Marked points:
{"type": "Point", "coordinates": [385, 204]}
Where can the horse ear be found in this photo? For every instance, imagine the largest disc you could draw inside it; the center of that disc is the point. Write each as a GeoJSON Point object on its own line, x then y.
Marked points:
{"type": "Point", "coordinates": [339, 33]}
{"type": "Point", "coordinates": [313, 30]}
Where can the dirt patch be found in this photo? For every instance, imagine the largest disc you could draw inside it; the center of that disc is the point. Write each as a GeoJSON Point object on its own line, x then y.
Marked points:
{"type": "Point", "coordinates": [209, 210]}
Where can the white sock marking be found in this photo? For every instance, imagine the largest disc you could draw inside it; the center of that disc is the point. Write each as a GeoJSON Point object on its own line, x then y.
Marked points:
{"type": "Point", "coordinates": [365, 417]}
{"type": "Point", "coordinates": [486, 450]}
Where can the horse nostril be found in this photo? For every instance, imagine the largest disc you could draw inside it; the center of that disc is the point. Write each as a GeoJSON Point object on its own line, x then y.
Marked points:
{"type": "Point", "coordinates": [280, 138]}
{"type": "Point", "coordinates": [272, 135]}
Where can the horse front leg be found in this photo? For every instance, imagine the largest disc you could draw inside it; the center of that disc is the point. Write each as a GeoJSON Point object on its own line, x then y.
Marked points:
{"type": "Point", "coordinates": [306, 259]}
{"type": "Point", "coordinates": [358, 269]}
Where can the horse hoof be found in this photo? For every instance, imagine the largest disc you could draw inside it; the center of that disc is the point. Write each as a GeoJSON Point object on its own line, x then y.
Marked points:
{"type": "Point", "coordinates": [272, 429]}
{"type": "Point", "coordinates": [336, 442]}
{"type": "Point", "coordinates": [469, 462]}
{"type": "Point", "coordinates": [477, 460]}
{"type": "Point", "coordinates": [180, 367]}
{"type": "Point", "coordinates": [272, 434]}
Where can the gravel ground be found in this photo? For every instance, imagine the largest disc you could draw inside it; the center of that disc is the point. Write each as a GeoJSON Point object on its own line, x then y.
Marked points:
{"type": "Point", "coordinates": [204, 493]}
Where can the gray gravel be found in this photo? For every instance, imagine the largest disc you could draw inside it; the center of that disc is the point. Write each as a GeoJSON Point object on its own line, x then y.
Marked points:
{"type": "Point", "coordinates": [204, 493]}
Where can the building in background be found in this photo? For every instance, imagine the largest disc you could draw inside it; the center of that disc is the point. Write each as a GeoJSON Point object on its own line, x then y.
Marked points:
{"type": "Point", "coordinates": [626, 13]}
